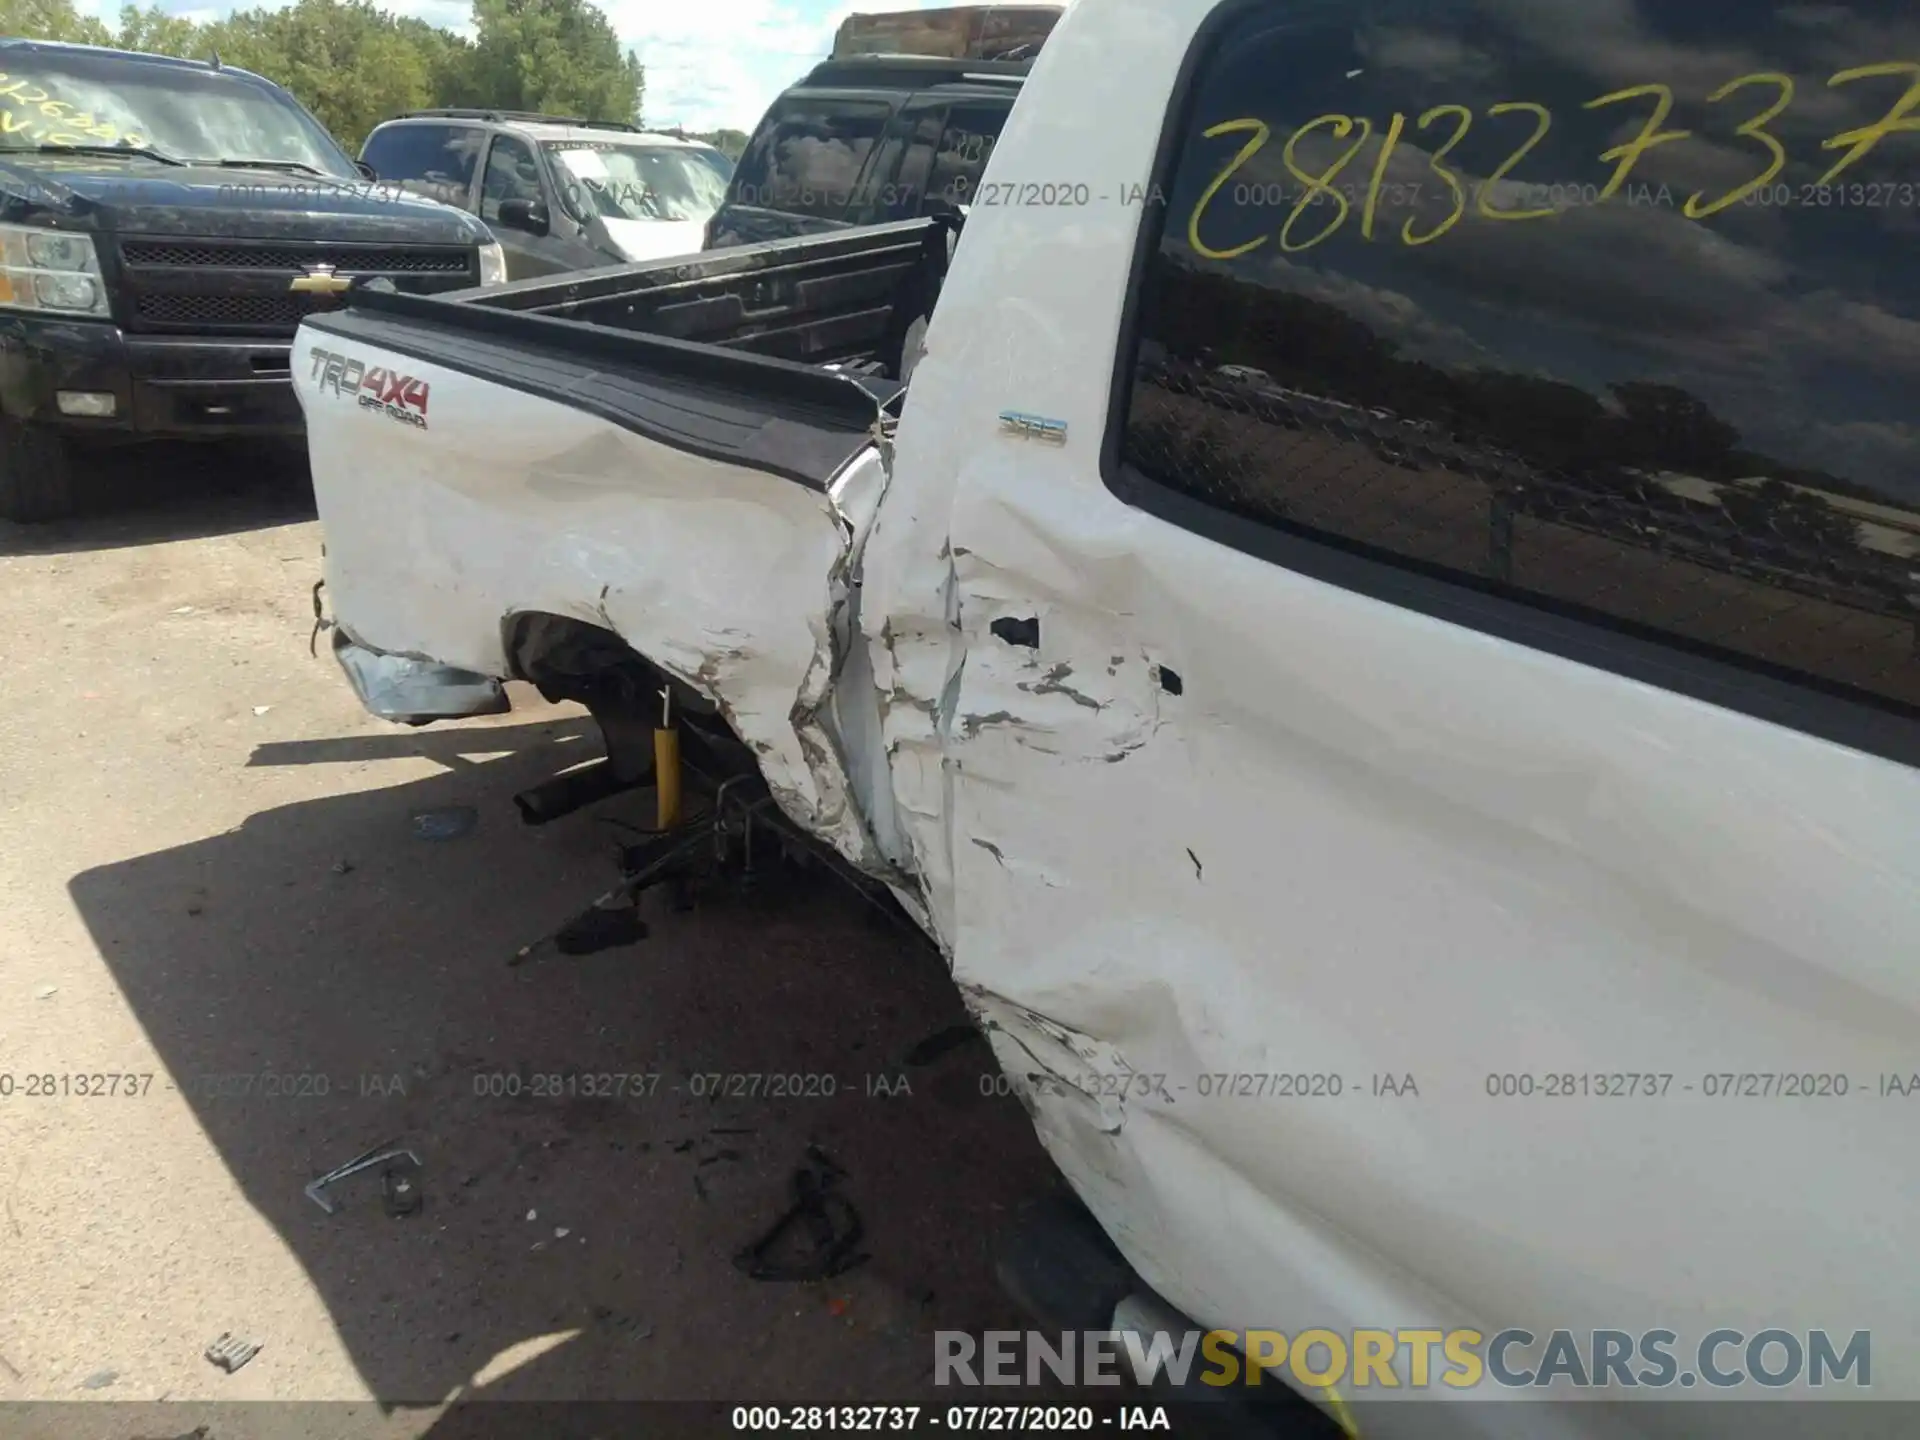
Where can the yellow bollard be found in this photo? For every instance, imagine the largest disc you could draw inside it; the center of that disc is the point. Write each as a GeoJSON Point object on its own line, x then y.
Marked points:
{"type": "Point", "coordinates": [666, 765]}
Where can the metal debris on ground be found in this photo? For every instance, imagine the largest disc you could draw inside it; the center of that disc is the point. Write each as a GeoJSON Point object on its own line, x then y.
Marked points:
{"type": "Point", "coordinates": [825, 1224]}
{"type": "Point", "coordinates": [99, 1379]}
{"type": "Point", "coordinates": [379, 1155]}
{"type": "Point", "coordinates": [402, 1192]}
{"type": "Point", "coordinates": [230, 1353]}
{"type": "Point", "coordinates": [712, 850]}
{"type": "Point", "coordinates": [449, 822]}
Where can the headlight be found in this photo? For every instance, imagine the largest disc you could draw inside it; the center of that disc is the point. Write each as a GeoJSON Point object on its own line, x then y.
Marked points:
{"type": "Point", "coordinates": [50, 270]}
{"type": "Point", "coordinates": [66, 292]}
{"type": "Point", "coordinates": [493, 264]}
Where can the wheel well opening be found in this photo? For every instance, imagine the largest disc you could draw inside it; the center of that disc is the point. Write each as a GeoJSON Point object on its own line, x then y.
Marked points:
{"type": "Point", "coordinates": [566, 658]}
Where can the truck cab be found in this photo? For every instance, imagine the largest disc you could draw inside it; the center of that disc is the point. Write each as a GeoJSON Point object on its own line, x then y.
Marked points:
{"type": "Point", "coordinates": [1434, 841]}
{"type": "Point", "coordinates": [165, 225]}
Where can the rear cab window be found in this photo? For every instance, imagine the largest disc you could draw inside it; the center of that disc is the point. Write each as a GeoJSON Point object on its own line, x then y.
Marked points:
{"type": "Point", "coordinates": [436, 161]}
{"type": "Point", "coordinates": [966, 143]}
{"type": "Point", "coordinates": [896, 183]}
{"type": "Point", "coordinates": [809, 156]}
{"type": "Point", "coordinates": [935, 149]}
{"type": "Point", "coordinates": [1609, 310]}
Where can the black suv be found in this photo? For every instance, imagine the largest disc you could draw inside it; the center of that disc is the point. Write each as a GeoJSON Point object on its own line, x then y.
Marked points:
{"type": "Point", "coordinates": [164, 225]}
{"type": "Point", "coordinates": [866, 139]}
{"type": "Point", "coordinates": [561, 193]}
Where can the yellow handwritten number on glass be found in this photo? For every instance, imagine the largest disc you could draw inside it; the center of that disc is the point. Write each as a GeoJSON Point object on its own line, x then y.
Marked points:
{"type": "Point", "coordinates": [1898, 120]}
{"type": "Point", "coordinates": [1322, 184]}
{"type": "Point", "coordinates": [1247, 152]}
{"type": "Point", "coordinates": [1465, 117]}
{"type": "Point", "coordinates": [1650, 133]}
{"type": "Point", "coordinates": [1754, 129]}
{"type": "Point", "coordinates": [1394, 127]}
{"type": "Point", "coordinates": [1545, 121]}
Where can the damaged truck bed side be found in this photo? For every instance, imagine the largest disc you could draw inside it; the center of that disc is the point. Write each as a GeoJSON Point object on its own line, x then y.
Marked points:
{"type": "Point", "coordinates": [1395, 692]}
{"type": "Point", "coordinates": [703, 482]}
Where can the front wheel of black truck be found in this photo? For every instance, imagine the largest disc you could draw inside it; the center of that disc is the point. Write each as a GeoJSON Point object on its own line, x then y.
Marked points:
{"type": "Point", "coordinates": [36, 472]}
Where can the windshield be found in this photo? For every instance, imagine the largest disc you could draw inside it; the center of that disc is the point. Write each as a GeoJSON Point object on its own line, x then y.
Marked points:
{"type": "Point", "coordinates": [636, 182]}
{"type": "Point", "coordinates": [65, 98]}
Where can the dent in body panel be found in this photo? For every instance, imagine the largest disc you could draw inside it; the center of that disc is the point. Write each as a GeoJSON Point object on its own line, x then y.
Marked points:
{"type": "Point", "coordinates": [1423, 850]}
{"type": "Point", "coordinates": [1076, 1038]}
{"type": "Point", "coordinates": [800, 733]}
{"type": "Point", "coordinates": [751, 678]}
{"type": "Point", "coordinates": [726, 577]}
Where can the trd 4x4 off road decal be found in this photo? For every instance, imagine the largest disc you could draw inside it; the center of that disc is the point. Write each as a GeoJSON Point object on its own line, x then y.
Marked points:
{"type": "Point", "coordinates": [400, 397]}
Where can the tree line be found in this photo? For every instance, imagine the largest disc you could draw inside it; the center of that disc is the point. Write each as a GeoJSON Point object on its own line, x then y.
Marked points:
{"type": "Point", "coordinates": [353, 64]}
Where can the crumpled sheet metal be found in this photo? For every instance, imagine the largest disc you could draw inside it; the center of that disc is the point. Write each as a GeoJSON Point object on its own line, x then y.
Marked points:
{"type": "Point", "coordinates": [716, 572]}
{"type": "Point", "coordinates": [403, 688]}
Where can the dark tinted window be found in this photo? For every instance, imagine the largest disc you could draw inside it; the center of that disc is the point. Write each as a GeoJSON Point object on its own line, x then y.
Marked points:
{"type": "Point", "coordinates": [916, 166]}
{"type": "Point", "coordinates": [1446, 282]}
{"type": "Point", "coordinates": [512, 174]}
{"type": "Point", "coordinates": [431, 160]}
{"type": "Point", "coordinates": [808, 156]}
{"type": "Point", "coordinates": [895, 186]}
{"type": "Point", "coordinates": [966, 142]}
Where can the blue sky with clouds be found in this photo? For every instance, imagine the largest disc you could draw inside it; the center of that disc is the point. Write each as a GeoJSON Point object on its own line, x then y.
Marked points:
{"type": "Point", "coordinates": [709, 62]}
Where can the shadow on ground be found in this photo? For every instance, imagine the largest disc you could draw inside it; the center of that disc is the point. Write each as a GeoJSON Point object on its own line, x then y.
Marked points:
{"type": "Point", "coordinates": [324, 943]}
{"type": "Point", "coordinates": [147, 494]}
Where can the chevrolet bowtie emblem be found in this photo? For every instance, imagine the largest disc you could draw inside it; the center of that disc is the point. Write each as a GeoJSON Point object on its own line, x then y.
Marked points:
{"type": "Point", "coordinates": [320, 280]}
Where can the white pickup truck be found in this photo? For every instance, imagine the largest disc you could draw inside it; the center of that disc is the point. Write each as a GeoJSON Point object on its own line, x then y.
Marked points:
{"type": "Point", "coordinates": [1433, 835]}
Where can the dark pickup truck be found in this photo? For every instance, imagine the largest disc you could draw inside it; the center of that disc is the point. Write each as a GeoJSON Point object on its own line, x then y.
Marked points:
{"type": "Point", "coordinates": [164, 227]}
